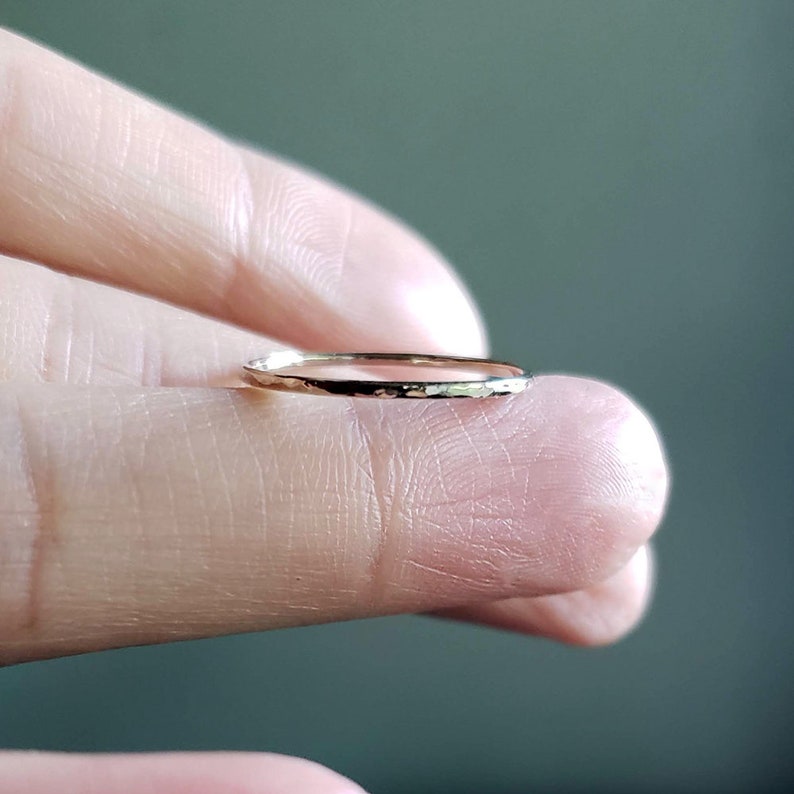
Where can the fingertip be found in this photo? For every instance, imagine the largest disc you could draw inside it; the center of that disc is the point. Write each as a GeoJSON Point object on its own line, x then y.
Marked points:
{"type": "Point", "coordinates": [402, 293]}
{"type": "Point", "coordinates": [613, 477]}
{"type": "Point", "coordinates": [639, 447]}
{"type": "Point", "coordinates": [440, 304]}
{"type": "Point", "coordinates": [597, 616]}
{"type": "Point", "coordinates": [548, 491]}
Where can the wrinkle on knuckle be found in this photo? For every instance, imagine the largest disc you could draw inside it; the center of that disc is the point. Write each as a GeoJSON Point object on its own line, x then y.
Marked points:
{"type": "Point", "coordinates": [286, 231]}
{"type": "Point", "coordinates": [29, 520]}
{"type": "Point", "coordinates": [58, 333]}
{"type": "Point", "coordinates": [456, 485]}
{"type": "Point", "coordinates": [237, 276]}
{"type": "Point", "coordinates": [379, 510]}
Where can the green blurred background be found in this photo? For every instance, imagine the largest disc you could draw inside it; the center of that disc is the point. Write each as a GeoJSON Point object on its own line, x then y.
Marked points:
{"type": "Point", "coordinates": [615, 181]}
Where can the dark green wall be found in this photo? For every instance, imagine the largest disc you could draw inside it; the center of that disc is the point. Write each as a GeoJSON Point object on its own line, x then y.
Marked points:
{"type": "Point", "coordinates": [615, 180]}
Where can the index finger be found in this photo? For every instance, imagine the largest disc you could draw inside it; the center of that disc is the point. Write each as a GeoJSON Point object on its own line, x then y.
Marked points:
{"type": "Point", "coordinates": [100, 182]}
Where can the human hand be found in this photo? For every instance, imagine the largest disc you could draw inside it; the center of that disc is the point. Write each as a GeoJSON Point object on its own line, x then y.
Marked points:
{"type": "Point", "coordinates": [144, 499]}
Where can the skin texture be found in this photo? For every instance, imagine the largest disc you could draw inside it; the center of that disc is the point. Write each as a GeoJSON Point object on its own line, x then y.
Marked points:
{"type": "Point", "coordinates": [145, 497]}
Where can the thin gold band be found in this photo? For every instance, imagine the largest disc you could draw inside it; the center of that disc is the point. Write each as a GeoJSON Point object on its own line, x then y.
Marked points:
{"type": "Point", "coordinates": [264, 373]}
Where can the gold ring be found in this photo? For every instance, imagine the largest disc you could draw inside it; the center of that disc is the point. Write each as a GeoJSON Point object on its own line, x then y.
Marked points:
{"type": "Point", "coordinates": [268, 373]}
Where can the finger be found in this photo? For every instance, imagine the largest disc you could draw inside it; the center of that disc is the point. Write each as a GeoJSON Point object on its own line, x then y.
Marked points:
{"type": "Point", "coordinates": [62, 329]}
{"type": "Point", "coordinates": [69, 330]}
{"type": "Point", "coordinates": [169, 513]}
{"type": "Point", "coordinates": [98, 181]}
{"type": "Point", "coordinates": [171, 773]}
{"type": "Point", "coordinates": [601, 614]}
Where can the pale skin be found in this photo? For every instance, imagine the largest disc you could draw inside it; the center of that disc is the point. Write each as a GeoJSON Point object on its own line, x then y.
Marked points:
{"type": "Point", "coordinates": [146, 497]}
